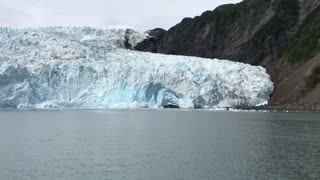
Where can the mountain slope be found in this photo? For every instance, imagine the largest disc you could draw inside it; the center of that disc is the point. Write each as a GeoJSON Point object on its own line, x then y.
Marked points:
{"type": "Point", "coordinates": [281, 35]}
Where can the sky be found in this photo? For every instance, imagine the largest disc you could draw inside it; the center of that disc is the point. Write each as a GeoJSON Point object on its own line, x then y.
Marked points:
{"type": "Point", "coordinates": [137, 14]}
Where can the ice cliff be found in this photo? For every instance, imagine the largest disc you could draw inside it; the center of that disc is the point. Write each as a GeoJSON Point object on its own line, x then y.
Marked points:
{"type": "Point", "coordinates": [94, 68]}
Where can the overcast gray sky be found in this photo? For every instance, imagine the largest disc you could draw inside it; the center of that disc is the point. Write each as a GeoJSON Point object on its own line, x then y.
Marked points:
{"type": "Point", "coordinates": [139, 14]}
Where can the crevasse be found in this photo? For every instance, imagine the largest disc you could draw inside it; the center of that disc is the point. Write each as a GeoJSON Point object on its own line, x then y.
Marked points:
{"type": "Point", "coordinates": [90, 68]}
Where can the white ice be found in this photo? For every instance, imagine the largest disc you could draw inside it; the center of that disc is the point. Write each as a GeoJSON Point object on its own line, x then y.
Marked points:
{"type": "Point", "coordinates": [90, 68]}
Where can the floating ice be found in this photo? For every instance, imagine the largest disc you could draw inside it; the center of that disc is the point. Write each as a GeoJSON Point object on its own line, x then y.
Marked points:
{"type": "Point", "coordinates": [90, 68]}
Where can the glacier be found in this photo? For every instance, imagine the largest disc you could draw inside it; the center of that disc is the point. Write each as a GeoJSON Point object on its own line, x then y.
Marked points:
{"type": "Point", "coordinates": [89, 68]}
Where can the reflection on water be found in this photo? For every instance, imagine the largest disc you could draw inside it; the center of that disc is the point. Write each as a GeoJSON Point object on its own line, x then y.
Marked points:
{"type": "Point", "coordinates": [141, 144]}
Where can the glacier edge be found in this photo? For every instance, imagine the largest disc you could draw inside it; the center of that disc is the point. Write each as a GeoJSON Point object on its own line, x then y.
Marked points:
{"type": "Point", "coordinates": [89, 68]}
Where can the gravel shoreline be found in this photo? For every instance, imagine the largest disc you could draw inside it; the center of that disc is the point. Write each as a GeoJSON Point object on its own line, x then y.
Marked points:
{"type": "Point", "coordinates": [282, 108]}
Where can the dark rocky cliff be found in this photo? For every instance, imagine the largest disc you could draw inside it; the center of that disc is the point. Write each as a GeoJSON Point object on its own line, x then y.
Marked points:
{"type": "Point", "coordinates": [281, 35]}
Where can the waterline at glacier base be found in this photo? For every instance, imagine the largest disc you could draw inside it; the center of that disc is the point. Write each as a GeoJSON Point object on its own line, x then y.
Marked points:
{"type": "Point", "coordinates": [87, 68]}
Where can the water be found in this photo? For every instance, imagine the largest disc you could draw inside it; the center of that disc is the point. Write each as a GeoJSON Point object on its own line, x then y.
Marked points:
{"type": "Point", "coordinates": [154, 145]}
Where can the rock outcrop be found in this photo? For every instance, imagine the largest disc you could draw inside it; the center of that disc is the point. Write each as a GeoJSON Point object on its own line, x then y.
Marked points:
{"type": "Point", "coordinates": [151, 44]}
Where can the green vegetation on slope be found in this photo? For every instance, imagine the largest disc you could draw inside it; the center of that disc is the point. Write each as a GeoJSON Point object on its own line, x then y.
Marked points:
{"type": "Point", "coordinates": [286, 15]}
{"type": "Point", "coordinates": [306, 44]}
{"type": "Point", "coordinates": [231, 11]}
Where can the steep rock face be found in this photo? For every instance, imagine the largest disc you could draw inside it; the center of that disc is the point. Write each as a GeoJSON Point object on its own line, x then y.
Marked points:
{"type": "Point", "coordinates": [151, 44]}
{"type": "Point", "coordinates": [298, 68]}
{"type": "Point", "coordinates": [281, 35]}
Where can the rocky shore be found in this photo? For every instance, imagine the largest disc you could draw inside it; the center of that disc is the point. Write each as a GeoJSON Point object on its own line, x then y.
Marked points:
{"type": "Point", "coordinates": [282, 108]}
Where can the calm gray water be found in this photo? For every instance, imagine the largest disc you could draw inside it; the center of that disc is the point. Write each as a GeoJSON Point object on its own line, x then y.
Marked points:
{"type": "Point", "coordinates": [158, 145]}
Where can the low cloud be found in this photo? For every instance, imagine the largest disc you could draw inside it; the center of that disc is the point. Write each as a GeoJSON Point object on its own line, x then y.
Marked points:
{"type": "Point", "coordinates": [139, 14]}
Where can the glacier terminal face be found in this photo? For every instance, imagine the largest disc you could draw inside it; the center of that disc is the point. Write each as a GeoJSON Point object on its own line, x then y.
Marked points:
{"type": "Point", "coordinates": [89, 68]}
